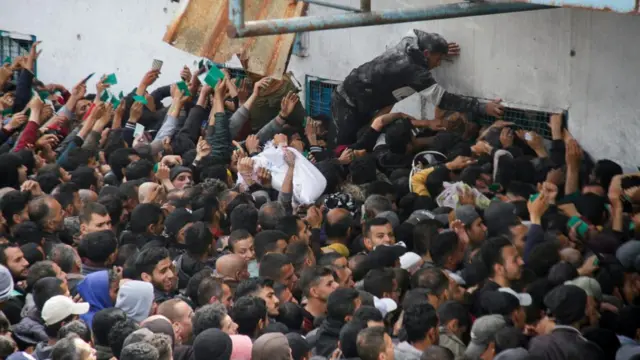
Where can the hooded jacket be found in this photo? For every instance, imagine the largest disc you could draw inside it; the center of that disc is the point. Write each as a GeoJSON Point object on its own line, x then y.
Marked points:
{"type": "Point", "coordinates": [406, 351]}
{"type": "Point", "coordinates": [135, 298]}
{"type": "Point", "coordinates": [94, 289]}
{"type": "Point", "coordinates": [186, 267]}
{"type": "Point", "coordinates": [30, 330]}
{"type": "Point", "coordinates": [327, 337]}
{"type": "Point", "coordinates": [43, 351]}
{"type": "Point", "coordinates": [398, 73]}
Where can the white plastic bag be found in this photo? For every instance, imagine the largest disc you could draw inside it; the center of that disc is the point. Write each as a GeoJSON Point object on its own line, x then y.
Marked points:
{"type": "Point", "coordinates": [308, 181]}
{"type": "Point", "coordinates": [450, 196]}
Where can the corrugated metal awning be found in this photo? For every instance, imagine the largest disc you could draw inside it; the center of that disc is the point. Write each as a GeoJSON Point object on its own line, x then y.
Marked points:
{"type": "Point", "coordinates": [200, 28]}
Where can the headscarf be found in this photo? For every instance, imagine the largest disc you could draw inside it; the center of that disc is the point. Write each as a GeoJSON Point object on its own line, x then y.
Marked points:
{"type": "Point", "coordinates": [94, 289]}
{"type": "Point", "coordinates": [241, 347]}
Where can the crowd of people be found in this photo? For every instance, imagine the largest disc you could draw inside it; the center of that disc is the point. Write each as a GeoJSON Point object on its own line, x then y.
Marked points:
{"type": "Point", "coordinates": [148, 226]}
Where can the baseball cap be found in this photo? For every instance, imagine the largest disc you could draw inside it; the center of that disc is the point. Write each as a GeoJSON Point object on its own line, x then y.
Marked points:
{"type": "Point", "coordinates": [467, 214]}
{"type": "Point", "coordinates": [524, 298]}
{"type": "Point", "coordinates": [61, 307]}
{"type": "Point", "coordinates": [566, 303]}
{"type": "Point", "coordinates": [590, 285]}
{"type": "Point", "coordinates": [409, 260]}
{"type": "Point", "coordinates": [500, 216]}
{"type": "Point", "coordinates": [483, 332]}
{"type": "Point", "coordinates": [385, 305]}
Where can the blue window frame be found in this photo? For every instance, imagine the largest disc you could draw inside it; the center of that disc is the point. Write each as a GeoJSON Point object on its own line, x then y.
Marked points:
{"type": "Point", "coordinates": [13, 44]}
{"type": "Point", "coordinates": [318, 96]}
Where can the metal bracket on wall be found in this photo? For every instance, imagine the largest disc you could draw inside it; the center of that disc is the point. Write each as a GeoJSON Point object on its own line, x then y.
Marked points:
{"type": "Point", "coordinates": [238, 28]}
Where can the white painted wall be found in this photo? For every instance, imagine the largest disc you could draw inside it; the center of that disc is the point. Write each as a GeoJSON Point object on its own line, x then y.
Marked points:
{"type": "Point", "coordinates": [523, 58]}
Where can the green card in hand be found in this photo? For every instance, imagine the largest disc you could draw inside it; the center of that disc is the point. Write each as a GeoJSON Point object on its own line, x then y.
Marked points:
{"type": "Point", "coordinates": [105, 96]}
{"type": "Point", "coordinates": [183, 88]}
{"type": "Point", "coordinates": [111, 79]}
{"type": "Point", "coordinates": [115, 102]}
{"type": "Point", "coordinates": [7, 112]}
{"type": "Point", "coordinates": [7, 60]}
{"type": "Point", "coordinates": [212, 77]}
{"type": "Point", "coordinates": [44, 95]}
{"type": "Point", "coordinates": [141, 99]}
{"type": "Point", "coordinates": [121, 95]}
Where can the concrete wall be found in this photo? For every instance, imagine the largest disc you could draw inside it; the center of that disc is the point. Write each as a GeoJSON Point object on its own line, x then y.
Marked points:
{"type": "Point", "coordinates": [523, 58]}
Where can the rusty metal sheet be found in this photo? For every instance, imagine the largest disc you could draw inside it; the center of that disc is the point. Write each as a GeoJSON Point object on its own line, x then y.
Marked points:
{"type": "Point", "coordinates": [200, 28]}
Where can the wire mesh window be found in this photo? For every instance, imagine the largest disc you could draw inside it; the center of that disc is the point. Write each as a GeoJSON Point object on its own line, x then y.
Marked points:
{"type": "Point", "coordinates": [531, 120]}
{"type": "Point", "coordinates": [13, 45]}
{"type": "Point", "coordinates": [318, 99]}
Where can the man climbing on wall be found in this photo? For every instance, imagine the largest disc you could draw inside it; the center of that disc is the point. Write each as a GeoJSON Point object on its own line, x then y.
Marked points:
{"type": "Point", "coordinates": [398, 73]}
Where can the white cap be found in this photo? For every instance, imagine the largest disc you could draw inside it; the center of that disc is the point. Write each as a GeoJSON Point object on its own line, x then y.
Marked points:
{"type": "Point", "coordinates": [385, 305]}
{"type": "Point", "coordinates": [61, 307]}
{"type": "Point", "coordinates": [409, 260]}
{"type": "Point", "coordinates": [524, 298]}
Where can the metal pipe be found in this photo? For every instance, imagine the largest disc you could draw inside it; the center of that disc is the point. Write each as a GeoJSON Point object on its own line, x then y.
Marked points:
{"type": "Point", "coordinates": [340, 21]}
{"type": "Point", "coordinates": [332, 5]}
{"type": "Point", "coordinates": [236, 13]}
{"type": "Point", "coordinates": [365, 5]}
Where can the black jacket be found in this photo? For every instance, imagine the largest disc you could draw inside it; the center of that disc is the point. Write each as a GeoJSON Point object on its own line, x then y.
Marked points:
{"type": "Point", "coordinates": [398, 73]}
{"type": "Point", "coordinates": [564, 343]}
{"type": "Point", "coordinates": [327, 338]}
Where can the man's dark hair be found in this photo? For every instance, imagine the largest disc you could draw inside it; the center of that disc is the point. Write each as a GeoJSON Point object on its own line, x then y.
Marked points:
{"type": "Point", "coordinates": [311, 277]}
{"type": "Point", "coordinates": [339, 228]}
{"type": "Point", "coordinates": [328, 259]}
{"type": "Point", "coordinates": [32, 252]}
{"type": "Point", "coordinates": [379, 281]}
{"type": "Point", "coordinates": [90, 209]}
{"type": "Point", "coordinates": [374, 222]}
{"type": "Point", "coordinates": [118, 334]}
{"type": "Point", "coordinates": [370, 343]}
{"type": "Point", "coordinates": [98, 246]}
{"type": "Point", "coordinates": [247, 313]}
{"type": "Point", "coordinates": [139, 351]}
{"type": "Point", "coordinates": [291, 315]}
{"type": "Point", "coordinates": [198, 239]}
{"type": "Point", "coordinates": [454, 310]}
{"type": "Point", "coordinates": [208, 317]}
{"type": "Point", "coordinates": [44, 289]}
{"type": "Point", "coordinates": [398, 135]}
{"type": "Point", "coordinates": [267, 241]}
{"type": "Point", "coordinates": [269, 215]}
{"type": "Point", "coordinates": [252, 286]}
{"type": "Point", "coordinates": [75, 327]}
{"type": "Point", "coordinates": [65, 349]}
{"type": "Point", "coordinates": [443, 246]}
{"type": "Point", "coordinates": [126, 251]}
{"type": "Point", "coordinates": [39, 270]}
{"type": "Point", "coordinates": [140, 169]}
{"type": "Point", "coordinates": [114, 206]}
{"type": "Point", "coordinates": [491, 252]}
{"type": "Point", "coordinates": [66, 193]}
{"type": "Point", "coordinates": [64, 256]}
{"type": "Point", "coordinates": [437, 352]}
{"type": "Point", "coordinates": [298, 252]}
{"type": "Point", "coordinates": [129, 190]}
{"type": "Point", "coordinates": [39, 210]}
{"type": "Point", "coordinates": [244, 217]}
{"type": "Point", "coordinates": [431, 279]}
{"type": "Point", "coordinates": [208, 288]}
{"type": "Point", "coordinates": [541, 258]}
{"type": "Point", "coordinates": [367, 313]}
{"type": "Point", "coordinates": [628, 321]}
{"type": "Point", "coordinates": [418, 320]}
{"type": "Point", "coordinates": [85, 177]}
{"type": "Point", "coordinates": [147, 260]}
{"type": "Point", "coordinates": [191, 291]}
{"type": "Point", "coordinates": [341, 303]}
{"type": "Point", "coordinates": [7, 347]}
{"type": "Point", "coordinates": [289, 225]}
{"type": "Point", "coordinates": [381, 187]}
{"type": "Point", "coordinates": [28, 232]}
{"type": "Point", "coordinates": [53, 330]}
{"type": "Point", "coordinates": [119, 159]}
{"type": "Point", "coordinates": [415, 296]}
{"type": "Point", "coordinates": [48, 181]}
{"type": "Point", "coordinates": [349, 338]}
{"type": "Point", "coordinates": [237, 235]}
{"type": "Point", "coordinates": [363, 170]}
{"type": "Point", "coordinates": [423, 234]}
{"type": "Point", "coordinates": [271, 265]}
{"type": "Point", "coordinates": [143, 216]}
{"type": "Point", "coordinates": [102, 323]}
{"type": "Point", "coordinates": [13, 203]}
{"type": "Point", "coordinates": [77, 157]}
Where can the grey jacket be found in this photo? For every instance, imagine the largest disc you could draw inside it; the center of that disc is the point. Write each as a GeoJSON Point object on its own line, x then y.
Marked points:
{"type": "Point", "coordinates": [406, 351]}
{"type": "Point", "coordinates": [453, 343]}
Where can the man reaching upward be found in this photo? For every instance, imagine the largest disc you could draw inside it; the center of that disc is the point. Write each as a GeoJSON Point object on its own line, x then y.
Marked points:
{"type": "Point", "coordinates": [398, 73]}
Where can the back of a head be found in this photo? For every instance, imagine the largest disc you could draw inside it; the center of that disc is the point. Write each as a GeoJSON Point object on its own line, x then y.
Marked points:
{"type": "Point", "coordinates": [98, 246]}
{"type": "Point", "coordinates": [139, 351]}
{"type": "Point", "coordinates": [349, 338]}
{"type": "Point", "coordinates": [46, 288]}
{"type": "Point", "coordinates": [376, 204]}
{"type": "Point", "coordinates": [341, 303]}
{"type": "Point", "coordinates": [143, 216]}
{"type": "Point", "coordinates": [212, 344]}
{"type": "Point", "coordinates": [249, 312]}
{"type": "Point", "coordinates": [76, 327]}
{"type": "Point", "coordinates": [119, 333]}
{"type": "Point", "coordinates": [271, 265]}
{"type": "Point", "coordinates": [65, 349]}
{"type": "Point", "coordinates": [423, 234]}
{"type": "Point", "coordinates": [291, 315]}
{"type": "Point", "coordinates": [454, 310]}
{"type": "Point", "coordinates": [437, 352]}
{"type": "Point", "coordinates": [370, 343]}
{"type": "Point", "coordinates": [198, 239]}
{"type": "Point", "coordinates": [102, 323]}
{"type": "Point", "coordinates": [208, 317]}
{"type": "Point", "coordinates": [431, 279]}
{"type": "Point", "coordinates": [379, 281]}
{"type": "Point", "coordinates": [267, 241]}
{"type": "Point", "coordinates": [269, 215]}
{"type": "Point", "coordinates": [419, 319]}
{"type": "Point", "coordinates": [244, 216]}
